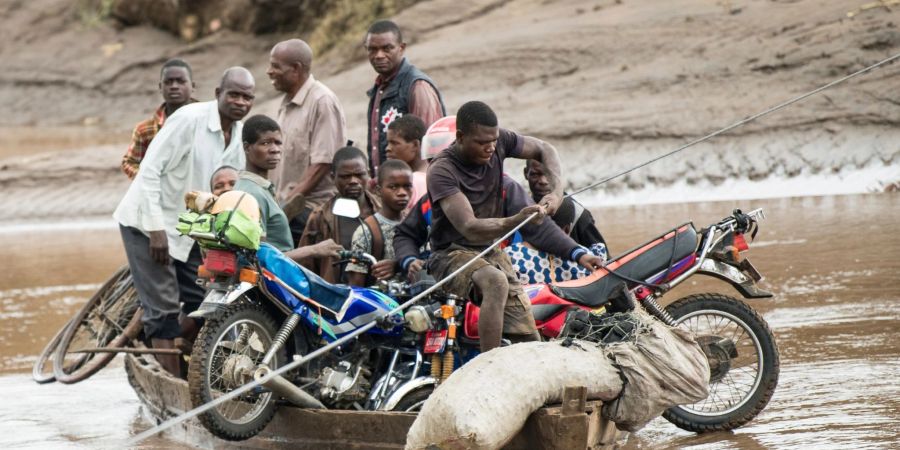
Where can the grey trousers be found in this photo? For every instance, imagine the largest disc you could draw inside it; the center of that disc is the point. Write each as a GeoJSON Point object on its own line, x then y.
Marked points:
{"type": "Point", "coordinates": [160, 287]}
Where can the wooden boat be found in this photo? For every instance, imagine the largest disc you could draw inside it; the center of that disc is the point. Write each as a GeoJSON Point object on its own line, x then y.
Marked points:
{"type": "Point", "coordinates": [574, 424]}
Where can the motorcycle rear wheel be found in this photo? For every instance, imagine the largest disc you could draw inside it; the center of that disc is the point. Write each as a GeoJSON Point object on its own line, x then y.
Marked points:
{"type": "Point", "coordinates": [110, 318]}
{"type": "Point", "coordinates": [740, 385]}
{"type": "Point", "coordinates": [226, 352]}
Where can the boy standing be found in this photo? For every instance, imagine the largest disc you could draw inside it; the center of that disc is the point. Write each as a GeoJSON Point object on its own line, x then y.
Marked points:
{"type": "Point", "coordinates": [377, 236]}
{"type": "Point", "coordinates": [404, 141]}
{"type": "Point", "coordinates": [177, 89]}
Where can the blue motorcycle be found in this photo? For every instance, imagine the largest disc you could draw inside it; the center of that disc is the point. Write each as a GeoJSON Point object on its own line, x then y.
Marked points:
{"type": "Point", "coordinates": [262, 308]}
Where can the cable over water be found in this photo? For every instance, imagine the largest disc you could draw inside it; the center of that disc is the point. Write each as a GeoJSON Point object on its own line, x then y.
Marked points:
{"type": "Point", "coordinates": [247, 387]}
{"type": "Point", "coordinates": [738, 123]}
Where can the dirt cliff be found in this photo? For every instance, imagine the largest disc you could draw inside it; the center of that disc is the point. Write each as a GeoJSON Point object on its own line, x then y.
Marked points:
{"type": "Point", "coordinates": [609, 82]}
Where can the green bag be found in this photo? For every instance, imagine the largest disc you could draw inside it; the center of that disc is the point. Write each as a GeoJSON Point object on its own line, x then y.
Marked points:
{"type": "Point", "coordinates": [216, 230]}
{"type": "Point", "coordinates": [200, 227]}
{"type": "Point", "coordinates": [236, 228]}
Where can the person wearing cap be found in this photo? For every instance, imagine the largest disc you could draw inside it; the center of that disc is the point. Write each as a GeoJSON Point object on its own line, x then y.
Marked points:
{"type": "Point", "coordinates": [400, 88]}
{"type": "Point", "coordinates": [195, 141]}
{"type": "Point", "coordinates": [312, 121]}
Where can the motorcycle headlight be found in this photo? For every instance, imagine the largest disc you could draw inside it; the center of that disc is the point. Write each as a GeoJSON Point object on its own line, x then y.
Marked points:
{"type": "Point", "coordinates": [418, 319]}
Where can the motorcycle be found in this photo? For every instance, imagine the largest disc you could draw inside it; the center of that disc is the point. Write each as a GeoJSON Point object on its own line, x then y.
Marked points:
{"type": "Point", "coordinates": [740, 347]}
{"type": "Point", "coordinates": [261, 307]}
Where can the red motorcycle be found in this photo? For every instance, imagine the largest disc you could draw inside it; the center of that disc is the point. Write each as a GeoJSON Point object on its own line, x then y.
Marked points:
{"type": "Point", "coordinates": [743, 355]}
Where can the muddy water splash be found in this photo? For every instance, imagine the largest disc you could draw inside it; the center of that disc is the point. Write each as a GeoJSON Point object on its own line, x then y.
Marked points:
{"type": "Point", "coordinates": [831, 261]}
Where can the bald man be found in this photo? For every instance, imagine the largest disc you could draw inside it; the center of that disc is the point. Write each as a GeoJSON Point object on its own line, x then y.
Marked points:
{"type": "Point", "coordinates": [197, 139]}
{"type": "Point", "coordinates": [313, 124]}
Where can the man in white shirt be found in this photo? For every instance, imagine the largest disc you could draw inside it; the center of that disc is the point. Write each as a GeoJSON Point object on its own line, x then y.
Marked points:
{"type": "Point", "coordinates": [196, 140]}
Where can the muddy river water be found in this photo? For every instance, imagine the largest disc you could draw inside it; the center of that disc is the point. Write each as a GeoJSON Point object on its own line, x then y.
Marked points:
{"type": "Point", "coordinates": [833, 263]}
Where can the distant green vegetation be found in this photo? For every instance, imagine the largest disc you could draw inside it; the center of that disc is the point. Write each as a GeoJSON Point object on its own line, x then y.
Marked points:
{"type": "Point", "coordinates": [344, 22]}
{"type": "Point", "coordinates": [92, 13]}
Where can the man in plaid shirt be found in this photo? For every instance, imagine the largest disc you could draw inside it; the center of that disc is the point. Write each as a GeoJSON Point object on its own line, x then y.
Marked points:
{"type": "Point", "coordinates": [176, 86]}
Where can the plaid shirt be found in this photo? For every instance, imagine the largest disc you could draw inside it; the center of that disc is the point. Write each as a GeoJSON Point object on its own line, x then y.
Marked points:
{"type": "Point", "coordinates": [144, 132]}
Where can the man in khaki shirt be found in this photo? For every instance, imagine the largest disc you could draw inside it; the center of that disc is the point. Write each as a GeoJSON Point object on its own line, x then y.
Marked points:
{"type": "Point", "coordinates": [312, 120]}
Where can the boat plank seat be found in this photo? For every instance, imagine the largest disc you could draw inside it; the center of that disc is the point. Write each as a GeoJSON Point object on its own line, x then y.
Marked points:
{"type": "Point", "coordinates": [639, 263]}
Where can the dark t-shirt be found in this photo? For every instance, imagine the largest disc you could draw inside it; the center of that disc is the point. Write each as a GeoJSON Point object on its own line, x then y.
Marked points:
{"type": "Point", "coordinates": [481, 184]}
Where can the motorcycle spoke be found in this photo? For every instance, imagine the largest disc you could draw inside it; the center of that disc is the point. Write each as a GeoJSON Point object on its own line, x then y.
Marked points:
{"type": "Point", "coordinates": [738, 383]}
{"type": "Point", "coordinates": [243, 342]}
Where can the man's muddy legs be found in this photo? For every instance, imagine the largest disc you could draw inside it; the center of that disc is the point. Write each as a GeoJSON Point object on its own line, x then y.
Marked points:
{"type": "Point", "coordinates": [517, 338]}
{"type": "Point", "coordinates": [494, 291]}
{"type": "Point", "coordinates": [168, 362]}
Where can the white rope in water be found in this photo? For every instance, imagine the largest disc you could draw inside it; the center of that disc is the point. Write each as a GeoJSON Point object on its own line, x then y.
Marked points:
{"type": "Point", "coordinates": [247, 387]}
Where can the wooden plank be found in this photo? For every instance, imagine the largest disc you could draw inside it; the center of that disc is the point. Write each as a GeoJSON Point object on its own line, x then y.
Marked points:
{"type": "Point", "coordinates": [130, 350]}
{"type": "Point", "coordinates": [574, 398]}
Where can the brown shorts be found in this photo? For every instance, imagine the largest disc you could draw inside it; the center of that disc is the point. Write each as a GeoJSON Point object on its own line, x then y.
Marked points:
{"type": "Point", "coordinates": [517, 316]}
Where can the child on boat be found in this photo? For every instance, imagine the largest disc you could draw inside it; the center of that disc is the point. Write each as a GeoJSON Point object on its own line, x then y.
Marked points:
{"type": "Point", "coordinates": [394, 183]}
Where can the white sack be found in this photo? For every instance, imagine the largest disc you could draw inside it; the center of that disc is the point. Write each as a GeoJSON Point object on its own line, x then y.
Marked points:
{"type": "Point", "coordinates": [664, 367]}
{"type": "Point", "coordinates": [486, 402]}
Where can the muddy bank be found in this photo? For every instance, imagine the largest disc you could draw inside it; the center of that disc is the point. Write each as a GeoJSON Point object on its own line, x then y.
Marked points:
{"type": "Point", "coordinates": [610, 69]}
{"type": "Point", "coordinates": [86, 184]}
{"type": "Point", "coordinates": [610, 83]}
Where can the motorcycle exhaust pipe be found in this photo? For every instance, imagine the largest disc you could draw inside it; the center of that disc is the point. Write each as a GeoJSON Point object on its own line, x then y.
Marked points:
{"type": "Point", "coordinates": [288, 390]}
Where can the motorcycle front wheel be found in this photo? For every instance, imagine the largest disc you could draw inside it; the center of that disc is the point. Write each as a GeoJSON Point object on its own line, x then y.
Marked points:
{"type": "Point", "coordinates": [743, 360]}
{"type": "Point", "coordinates": [228, 349]}
{"type": "Point", "coordinates": [413, 401]}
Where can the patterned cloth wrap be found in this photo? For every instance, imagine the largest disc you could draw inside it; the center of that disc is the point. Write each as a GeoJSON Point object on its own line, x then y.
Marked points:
{"type": "Point", "coordinates": [534, 266]}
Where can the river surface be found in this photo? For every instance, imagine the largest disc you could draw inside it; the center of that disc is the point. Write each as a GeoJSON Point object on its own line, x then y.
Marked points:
{"type": "Point", "coordinates": [833, 263]}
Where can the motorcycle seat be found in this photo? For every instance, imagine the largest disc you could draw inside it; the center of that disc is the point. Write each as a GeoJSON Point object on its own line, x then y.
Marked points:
{"type": "Point", "coordinates": [639, 263]}
{"type": "Point", "coordinates": [330, 296]}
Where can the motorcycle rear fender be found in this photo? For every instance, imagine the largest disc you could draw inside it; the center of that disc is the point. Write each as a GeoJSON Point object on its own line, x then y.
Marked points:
{"type": "Point", "coordinates": [218, 299]}
{"type": "Point", "coordinates": [744, 282]}
{"type": "Point", "coordinates": [405, 389]}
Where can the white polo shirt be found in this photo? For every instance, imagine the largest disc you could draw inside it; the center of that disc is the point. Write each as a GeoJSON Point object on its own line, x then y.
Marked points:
{"type": "Point", "coordinates": [181, 158]}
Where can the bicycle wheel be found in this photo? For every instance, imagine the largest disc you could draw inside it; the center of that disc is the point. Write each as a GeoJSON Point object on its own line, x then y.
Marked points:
{"type": "Point", "coordinates": [42, 370]}
{"type": "Point", "coordinates": [110, 318]}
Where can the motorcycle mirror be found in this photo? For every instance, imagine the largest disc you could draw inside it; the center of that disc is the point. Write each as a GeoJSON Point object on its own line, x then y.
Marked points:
{"type": "Point", "coordinates": [346, 207]}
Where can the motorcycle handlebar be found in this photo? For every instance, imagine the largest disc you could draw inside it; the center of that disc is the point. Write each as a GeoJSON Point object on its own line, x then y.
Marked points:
{"type": "Point", "coordinates": [741, 220]}
{"type": "Point", "coordinates": [361, 257]}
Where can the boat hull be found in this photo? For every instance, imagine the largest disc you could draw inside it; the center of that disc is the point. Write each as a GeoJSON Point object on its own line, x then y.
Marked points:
{"type": "Point", "coordinates": [164, 397]}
